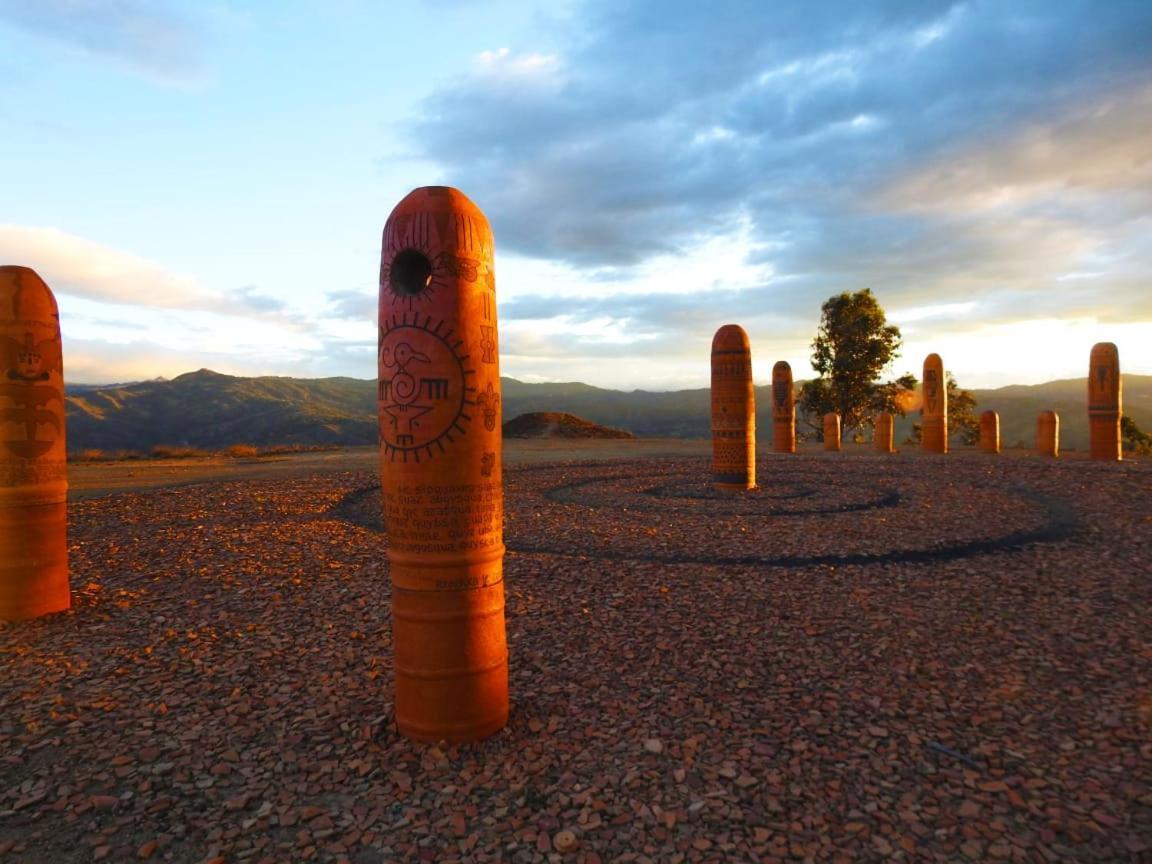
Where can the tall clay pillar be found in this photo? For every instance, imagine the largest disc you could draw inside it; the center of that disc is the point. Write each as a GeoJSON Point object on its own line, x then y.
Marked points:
{"type": "Point", "coordinates": [1104, 401]}
{"type": "Point", "coordinates": [934, 415]}
{"type": "Point", "coordinates": [733, 410]}
{"type": "Point", "coordinates": [990, 432]}
{"type": "Point", "coordinates": [832, 431]}
{"type": "Point", "coordinates": [884, 433]}
{"type": "Point", "coordinates": [783, 409]}
{"type": "Point", "coordinates": [440, 467]}
{"type": "Point", "coordinates": [1048, 433]}
{"type": "Point", "coordinates": [33, 457]}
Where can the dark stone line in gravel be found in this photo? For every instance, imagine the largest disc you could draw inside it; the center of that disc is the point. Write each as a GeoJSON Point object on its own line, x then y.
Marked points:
{"type": "Point", "coordinates": [886, 498]}
{"type": "Point", "coordinates": [1057, 528]}
{"type": "Point", "coordinates": [1060, 524]}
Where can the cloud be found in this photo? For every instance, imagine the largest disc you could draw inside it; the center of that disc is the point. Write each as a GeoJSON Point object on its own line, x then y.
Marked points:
{"type": "Point", "coordinates": [149, 34]}
{"type": "Point", "coordinates": [78, 266]}
{"type": "Point", "coordinates": [82, 268]}
{"type": "Point", "coordinates": [929, 150]}
{"type": "Point", "coordinates": [353, 305]}
{"type": "Point", "coordinates": [1099, 149]}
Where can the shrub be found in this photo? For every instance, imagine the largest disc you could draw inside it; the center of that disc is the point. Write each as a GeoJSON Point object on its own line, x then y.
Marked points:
{"type": "Point", "coordinates": [169, 451]}
{"type": "Point", "coordinates": [242, 451]}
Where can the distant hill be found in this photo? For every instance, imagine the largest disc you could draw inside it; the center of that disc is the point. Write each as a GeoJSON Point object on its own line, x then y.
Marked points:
{"type": "Point", "coordinates": [207, 409]}
{"type": "Point", "coordinates": [1019, 404]}
{"type": "Point", "coordinates": [547, 424]}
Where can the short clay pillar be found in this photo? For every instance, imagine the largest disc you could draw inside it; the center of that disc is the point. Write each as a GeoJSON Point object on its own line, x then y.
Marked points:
{"type": "Point", "coordinates": [884, 433]}
{"type": "Point", "coordinates": [33, 455]}
{"type": "Point", "coordinates": [990, 432]}
{"type": "Point", "coordinates": [440, 467]}
{"type": "Point", "coordinates": [832, 431]}
{"type": "Point", "coordinates": [733, 410]}
{"type": "Point", "coordinates": [783, 409]}
{"type": "Point", "coordinates": [934, 414]}
{"type": "Point", "coordinates": [1104, 402]}
{"type": "Point", "coordinates": [1048, 434]}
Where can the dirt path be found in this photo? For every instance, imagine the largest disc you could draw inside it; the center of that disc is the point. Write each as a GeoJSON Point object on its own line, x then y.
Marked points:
{"type": "Point", "coordinates": [97, 479]}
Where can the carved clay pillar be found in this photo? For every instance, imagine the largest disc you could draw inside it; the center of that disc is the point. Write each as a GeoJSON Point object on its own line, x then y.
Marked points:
{"type": "Point", "coordinates": [783, 409]}
{"type": "Point", "coordinates": [33, 456]}
{"type": "Point", "coordinates": [733, 410]}
{"type": "Point", "coordinates": [1104, 401]}
{"type": "Point", "coordinates": [884, 433]}
{"type": "Point", "coordinates": [440, 467]}
{"type": "Point", "coordinates": [1048, 434]}
{"type": "Point", "coordinates": [934, 415]}
{"type": "Point", "coordinates": [832, 431]}
{"type": "Point", "coordinates": [990, 432]}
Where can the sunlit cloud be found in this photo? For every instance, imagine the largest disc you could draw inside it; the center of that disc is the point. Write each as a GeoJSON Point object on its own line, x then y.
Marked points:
{"type": "Point", "coordinates": [92, 271]}
{"type": "Point", "coordinates": [1101, 149]}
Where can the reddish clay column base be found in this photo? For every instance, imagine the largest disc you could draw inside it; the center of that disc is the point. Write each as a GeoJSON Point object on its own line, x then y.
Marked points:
{"type": "Point", "coordinates": [1105, 402]}
{"type": "Point", "coordinates": [33, 456]}
{"type": "Point", "coordinates": [451, 663]}
{"type": "Point", "coordinates": [440, 467]}
{"type": "Point", "coordinates": [733, 411]}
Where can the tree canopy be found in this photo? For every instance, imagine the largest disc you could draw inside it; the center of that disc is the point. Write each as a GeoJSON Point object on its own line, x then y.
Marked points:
{"type": "Point", "coordinates": [853, 346]}
{"type": "Point", "coordinates": [1135, 440]}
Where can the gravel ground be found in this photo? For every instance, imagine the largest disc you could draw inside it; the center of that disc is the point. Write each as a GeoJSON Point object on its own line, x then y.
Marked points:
{"type": "Point", "coordinates": [870, 658]}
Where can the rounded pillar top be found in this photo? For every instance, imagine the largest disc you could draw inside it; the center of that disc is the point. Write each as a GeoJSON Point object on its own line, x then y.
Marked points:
{"type": "Point", "coordinates": [1105, 353]}
{"type": "Point", "coordinates": [437, 199]}
{"type": "Point", "coordinates": [1104, 383]}
{"type": "Point", "coordinates": [435, 231]}
{"type": "Point", "coordinates": [988, 415]}
{"type": "Point", "coordinates": [1049, 415]}
{"type": "Point", "coordinates": [24, 296]}
{"type": "Point", "coordinates": [782, 396]}
{"type": "Point", "coordinates": [731, 337]}
{"type": "Point", "coordinates": [831, 415]}
{"type": "Point", "coordinates": [934, 361]}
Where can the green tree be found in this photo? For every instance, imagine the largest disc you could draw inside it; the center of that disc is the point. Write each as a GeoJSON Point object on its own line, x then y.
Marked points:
{"type": "Point", "coordinates": [962, 420]}
{"type": "Point", "coordinates": [852, 348]}
{"type": "Point", "coordinates": [1133, 438]}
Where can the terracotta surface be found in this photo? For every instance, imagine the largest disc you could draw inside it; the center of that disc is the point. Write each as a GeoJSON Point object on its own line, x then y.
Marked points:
{"type": "Point", "coordinates": [440, 467]}
{"type": "Point", "coordinates": [990, 432]}
{"type": "Point", "coordinates": [1105, 401]}
{"type": "Point", "coordinates": [832, 431]}
{"type": "Point", "coordinates": [1048, 434]}
{"type": "Point", "coordinates": [934, 414]}
{"type": "Point", "coordinates": [33, 466]}
{"type": "Point", "coordinates": [883, 433]}
{"type": "Point", "coordinates": [783, 409]}
{"type": "Point", "coordinates": [733, 410]}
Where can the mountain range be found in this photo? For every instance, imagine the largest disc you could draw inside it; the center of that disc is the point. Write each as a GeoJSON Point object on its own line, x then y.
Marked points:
{"type": "Point", "coordinates": [209, 410]}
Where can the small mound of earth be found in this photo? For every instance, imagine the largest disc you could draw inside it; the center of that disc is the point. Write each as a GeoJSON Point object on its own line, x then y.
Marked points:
{"type": "Point", "coordinates": [546, 424]}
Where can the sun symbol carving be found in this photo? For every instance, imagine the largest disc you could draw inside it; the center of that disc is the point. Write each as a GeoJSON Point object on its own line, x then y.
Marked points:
{"type": "Point", "coordinates": [426, 387]}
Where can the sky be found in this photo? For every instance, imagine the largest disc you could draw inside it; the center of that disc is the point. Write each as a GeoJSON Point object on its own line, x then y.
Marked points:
{"type": "Point", "coordinates": [203, 183]}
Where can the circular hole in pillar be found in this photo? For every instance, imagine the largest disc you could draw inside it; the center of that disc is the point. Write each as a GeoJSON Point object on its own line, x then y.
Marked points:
{"type": "Point", "coordinates": [411, 272]}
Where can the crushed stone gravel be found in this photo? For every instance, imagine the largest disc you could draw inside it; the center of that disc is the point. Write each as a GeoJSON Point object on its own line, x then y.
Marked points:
{"type": "Point", "coordinates": [867, 659]}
